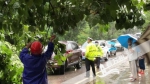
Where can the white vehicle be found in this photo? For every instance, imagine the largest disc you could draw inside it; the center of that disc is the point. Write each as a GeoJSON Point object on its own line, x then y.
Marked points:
{"type": "Point", "coordinates": [105, 47]}
{"type": "Point", "coordinates": [138, 35]}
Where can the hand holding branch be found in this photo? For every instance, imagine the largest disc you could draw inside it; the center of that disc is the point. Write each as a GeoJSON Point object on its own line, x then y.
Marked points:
{"type": "Point", "coordinates": [52, 38]}
{"type": "Point", "coordinates": [28, 45]}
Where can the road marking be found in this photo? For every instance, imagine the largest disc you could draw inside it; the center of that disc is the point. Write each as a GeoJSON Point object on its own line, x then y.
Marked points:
{"type": "Point", "coordinates": [103, 69]}
{"type": "Point", "coordinates": [81, 81]}
{"type": "Point", "coordinates": [112, 62]}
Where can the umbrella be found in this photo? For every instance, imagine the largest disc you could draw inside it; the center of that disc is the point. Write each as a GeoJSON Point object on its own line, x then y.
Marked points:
{"type": "Point", "coordinates": [112, 43]}
{"type": "Point", "coordinates": [113, 49]}
{"type": "Point", "coordinates": [123, 39]}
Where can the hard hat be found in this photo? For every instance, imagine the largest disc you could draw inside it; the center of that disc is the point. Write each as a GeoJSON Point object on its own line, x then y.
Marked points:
{"type": "Point", "coordinates": [90, 39]}
{"type": "Point", "coordinates": [36, 48]}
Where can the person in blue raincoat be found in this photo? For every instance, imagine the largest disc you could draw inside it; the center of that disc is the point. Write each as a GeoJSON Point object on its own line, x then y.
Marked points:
{"type": "Point", "coordinates": [35, 63]}
{"type": "Point", "coordinates": [112, 48]}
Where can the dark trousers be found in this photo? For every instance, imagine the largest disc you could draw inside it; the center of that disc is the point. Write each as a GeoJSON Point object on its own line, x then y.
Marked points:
{"type": "Point", "coordinates": [141, 64]}
{"type": "Point", "coordinates": [89, 63]}
{"type": "Point", "coordinates": [97, 61]}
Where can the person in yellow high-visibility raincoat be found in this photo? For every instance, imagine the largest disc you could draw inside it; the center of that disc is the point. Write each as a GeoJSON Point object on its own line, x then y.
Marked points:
{"type": "Point", "coordinates": [90, 54]}
{"type": "Point", "coordinates": [99, 54]}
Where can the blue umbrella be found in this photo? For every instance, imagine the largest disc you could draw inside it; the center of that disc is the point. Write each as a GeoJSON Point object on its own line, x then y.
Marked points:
{"type": "Point", "coordinates": [123, 39]}
{"type": "Point", "coordinates": [112, 43]}
{"type": "Point", "coordinates": [113, 49]}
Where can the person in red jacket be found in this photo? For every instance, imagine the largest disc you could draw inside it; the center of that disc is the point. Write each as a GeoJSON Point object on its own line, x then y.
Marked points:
{"type": "Point", "coordinates": [34, 62]}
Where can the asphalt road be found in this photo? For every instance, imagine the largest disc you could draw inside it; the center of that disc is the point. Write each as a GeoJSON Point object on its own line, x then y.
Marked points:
{"type": "Point", "coordinates": [73, 72]}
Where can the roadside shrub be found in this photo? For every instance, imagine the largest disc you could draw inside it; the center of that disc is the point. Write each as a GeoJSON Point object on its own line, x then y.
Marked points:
{"type": "Point", "coordinates": [10, 65]}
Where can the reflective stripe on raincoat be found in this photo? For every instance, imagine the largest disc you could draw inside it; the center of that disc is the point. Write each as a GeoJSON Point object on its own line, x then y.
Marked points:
{"type": "Point", "coordinates": [100, 52]}
{"type": "Point", "coordinates": [91, 51]}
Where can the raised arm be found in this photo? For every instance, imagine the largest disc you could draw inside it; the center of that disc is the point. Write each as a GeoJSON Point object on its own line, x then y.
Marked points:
{"type": "Point", "coordinates": [50, 48]}
{"type": "Point", "coordinates": [25, 52]}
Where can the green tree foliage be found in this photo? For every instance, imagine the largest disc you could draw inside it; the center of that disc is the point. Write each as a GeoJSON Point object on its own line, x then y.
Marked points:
{"type": "Point", "coordinates": [98, 32]}
{"type": "Point", "coordinates": [147, 20]}
{"type": "Point", "coordinates": [126, 13]}
{"type": "Point", "coordinates": [62, 15]}
{"type": "Point", "coordinates": [10, 66]}
{"type": "Point", "coordinates": [78, 34]}
{"type": "Point", "coordinates": [22, 21]}
{"type": "Point", "coordinates": [147, 5]}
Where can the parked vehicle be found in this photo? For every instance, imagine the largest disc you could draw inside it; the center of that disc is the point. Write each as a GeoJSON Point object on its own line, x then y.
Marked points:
{"type": "Point", "coordinates": [138, 35]}
{"type": "Point", "coordinates": [106, 49]}
{"type": "Point", "coordinates": [75, 59]}
{"type": "Point", "coordinates": [117, 44]}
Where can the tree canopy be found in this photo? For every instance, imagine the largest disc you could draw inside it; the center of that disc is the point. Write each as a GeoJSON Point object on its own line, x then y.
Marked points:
{"type": "Point", "coordinates": [62, 14]}
{"type": "Point", "coordinates": [25, 20]}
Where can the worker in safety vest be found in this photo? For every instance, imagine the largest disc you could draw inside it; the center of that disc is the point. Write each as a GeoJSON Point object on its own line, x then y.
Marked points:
{"type": "Point", "coordinates": [99, 54]}
{"type": "Point", "coordinates": [90, 54]}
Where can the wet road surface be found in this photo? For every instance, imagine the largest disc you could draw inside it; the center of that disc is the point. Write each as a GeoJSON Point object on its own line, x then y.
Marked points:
{"type": "Point", "coordinates": [70, 73]}
{"type": "Point", "coordinates": [113, 72]}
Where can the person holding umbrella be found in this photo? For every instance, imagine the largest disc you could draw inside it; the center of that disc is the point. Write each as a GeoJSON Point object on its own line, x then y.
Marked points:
{"type": "Point", "coordinates": [133, 59]}
{"type": "Point", "coordinates": [128, 41]}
